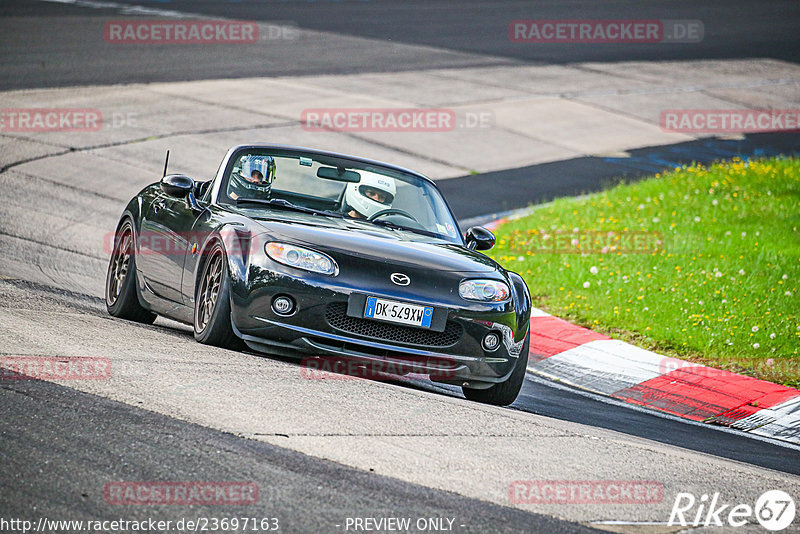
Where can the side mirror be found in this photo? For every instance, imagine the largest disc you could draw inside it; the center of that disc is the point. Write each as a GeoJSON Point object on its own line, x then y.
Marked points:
{"type": "Point", "coordinates": [177, 185]}
{"type": "Point", "coordinates": [479, 238]}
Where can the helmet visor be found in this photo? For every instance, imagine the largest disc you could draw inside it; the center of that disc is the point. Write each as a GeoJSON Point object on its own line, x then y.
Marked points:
{"type": "Point", "coordinates": [260, 170]}
{"type": "Point", "coordinates": [378, 195]}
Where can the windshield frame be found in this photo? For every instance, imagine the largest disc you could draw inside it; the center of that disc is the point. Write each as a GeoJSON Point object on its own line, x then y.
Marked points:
{"type": "Point", "coordinates": [220, 196]}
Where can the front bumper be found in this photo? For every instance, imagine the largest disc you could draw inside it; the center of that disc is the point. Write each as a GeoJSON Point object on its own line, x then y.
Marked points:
{"type": "Point", "coordinates": [323, 325]}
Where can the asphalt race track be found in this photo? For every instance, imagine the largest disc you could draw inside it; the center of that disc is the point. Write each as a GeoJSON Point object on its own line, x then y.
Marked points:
{"type": "Point", "coordinates": [98, 442]}
{"type": "Point", "coordinates": [42, 49]}
{"type": "Point", "coordinates": [323, 451]}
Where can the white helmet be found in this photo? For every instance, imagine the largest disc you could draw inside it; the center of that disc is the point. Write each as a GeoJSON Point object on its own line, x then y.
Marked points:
{"type": "Point", "coordinates": [372, 194]}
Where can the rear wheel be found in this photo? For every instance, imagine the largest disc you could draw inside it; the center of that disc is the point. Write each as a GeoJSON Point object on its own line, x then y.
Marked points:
{"type": "Point", "coordinates": [121, 298]}
{"type": "Point", "coordinates": [504, 393]}
{"type": "Point", "coordinates": [212, 303]}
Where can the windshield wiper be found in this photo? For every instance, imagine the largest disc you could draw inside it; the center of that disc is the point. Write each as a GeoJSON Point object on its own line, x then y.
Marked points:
{"type": "Point", "coordinates": [285, 204]}
{"type": "Point", "coordinates": [395, 226]}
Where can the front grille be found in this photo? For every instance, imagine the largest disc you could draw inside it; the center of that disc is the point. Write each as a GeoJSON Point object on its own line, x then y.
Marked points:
{"type": "Point", "coordinates": [336, 315]}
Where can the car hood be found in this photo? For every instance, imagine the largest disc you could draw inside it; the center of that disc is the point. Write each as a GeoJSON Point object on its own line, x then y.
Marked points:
{"type": "Point", "coordinates": [341, 238]}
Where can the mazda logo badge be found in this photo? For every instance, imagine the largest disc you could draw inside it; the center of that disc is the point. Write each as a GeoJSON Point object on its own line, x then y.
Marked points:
{"type": "Point", "coordinates": [400, 279]}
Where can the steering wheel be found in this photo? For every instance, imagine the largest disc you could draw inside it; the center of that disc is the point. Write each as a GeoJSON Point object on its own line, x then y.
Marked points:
{"type": "Point", "coordinates": [392, 211]}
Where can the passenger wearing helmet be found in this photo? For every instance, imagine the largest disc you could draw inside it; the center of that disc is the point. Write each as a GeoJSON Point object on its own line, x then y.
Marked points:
{"type": "Point", "coordinates": [373, 194]}
{"type": "Point", "coordinates": [254, 179]}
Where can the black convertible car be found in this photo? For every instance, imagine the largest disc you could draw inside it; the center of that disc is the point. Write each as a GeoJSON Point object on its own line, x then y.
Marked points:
{"type": "Point", "coordinates": [306, 253]}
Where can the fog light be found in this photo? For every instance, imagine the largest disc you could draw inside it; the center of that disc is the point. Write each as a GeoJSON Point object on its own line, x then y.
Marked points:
{"type": "Point", "coordinates": [491, 341]}
{"type": "Point", "coordinates": [283, 305]}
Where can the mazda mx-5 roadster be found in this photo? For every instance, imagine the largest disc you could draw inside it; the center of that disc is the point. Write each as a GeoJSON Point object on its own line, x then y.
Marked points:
{"type": "Point", "coordinates": [311, 254]}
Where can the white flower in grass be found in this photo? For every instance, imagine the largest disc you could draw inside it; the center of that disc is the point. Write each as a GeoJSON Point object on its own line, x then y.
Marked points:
{"type": "Point", "coordinates": [586, 285]}
{"type": "Point", "coordinates": [756, 345]}
{"type": "Point", "coordinates": [714, 202]}
{"type": "Point", "coordinates": [656, 219]}
{"type": "Point", "coordinates": [785, 277]}
{"type": "Point", "coordinates": [718, 274]}
{"type": "Point", "coordinates": [724, 301]}
{"type": "Point", "coordinates": [788, 293]}
{"type": "Point", "coordinates": [772, 336]}
{"type": "Point", "coordinates": [754, 329]}
{"type": "Point", "coordinates": [741, 272]}
{"type": "Point", "coordinates": [697, 219]}
{"type": "Point", "coordinates": [593, 269]}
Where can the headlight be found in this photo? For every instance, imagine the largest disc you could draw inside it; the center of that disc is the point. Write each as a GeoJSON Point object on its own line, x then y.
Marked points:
{"type": "Point", "coordinates": [301, 258]}
{"type": "Point", "coordinates": [484, 290]}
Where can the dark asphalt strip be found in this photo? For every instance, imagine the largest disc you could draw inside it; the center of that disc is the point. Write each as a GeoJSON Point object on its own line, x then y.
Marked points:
{"type": "Point", "coordinates": [59, 447]}
{"type": "Point", "coordinates": [541, 396]}
{"type": "Point", "coordinates": [49, 44]}
{"type": "Point", "coordinates": [494, 192]}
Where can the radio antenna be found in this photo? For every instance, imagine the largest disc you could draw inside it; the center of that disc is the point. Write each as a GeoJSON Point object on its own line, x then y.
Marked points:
{"type": "Point", "coordinates": [166, 162]}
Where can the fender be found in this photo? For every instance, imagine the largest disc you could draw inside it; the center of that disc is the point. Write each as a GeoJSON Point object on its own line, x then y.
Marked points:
{"type": "Point", "coordinates": [134, 210]}
{"type": "Point", "coordinates": [237, 242]}
{"type": "Point", "coordinates": [522, 302]}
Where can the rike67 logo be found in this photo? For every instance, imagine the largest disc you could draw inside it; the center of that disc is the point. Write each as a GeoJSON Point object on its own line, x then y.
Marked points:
{"type": "Point", "coordinates": [774, 510]}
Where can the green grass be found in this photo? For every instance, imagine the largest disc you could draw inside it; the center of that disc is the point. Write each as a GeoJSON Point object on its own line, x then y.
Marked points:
{"type": "Point", "coordinates": [714, 279]}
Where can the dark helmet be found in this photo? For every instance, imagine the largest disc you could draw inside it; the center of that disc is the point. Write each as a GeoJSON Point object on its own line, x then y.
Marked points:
{"type": "Point", "coordinates": [255, 178]}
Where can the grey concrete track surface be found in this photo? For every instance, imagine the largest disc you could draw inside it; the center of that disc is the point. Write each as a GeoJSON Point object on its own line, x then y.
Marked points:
{"type": "Point", "coordinates": [76, 443]}
{"type": "Point", "coordinates": [409, 434]}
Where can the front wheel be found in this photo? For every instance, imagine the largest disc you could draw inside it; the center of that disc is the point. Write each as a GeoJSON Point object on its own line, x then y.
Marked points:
{"type": "Point", "coordinates": [504, 393]}
{"type": "Point", "coordinates": [121, 298]}
{"type": "Point", "coordinates": [212, 303]}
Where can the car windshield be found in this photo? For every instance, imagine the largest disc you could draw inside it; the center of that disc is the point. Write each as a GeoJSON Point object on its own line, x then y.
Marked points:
{"type": "Point", "coordinates": [333, 186]}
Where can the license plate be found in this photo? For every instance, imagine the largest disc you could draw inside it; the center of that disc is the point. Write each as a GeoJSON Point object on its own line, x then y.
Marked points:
{"type": "Point", "coordinates": [398, 312]}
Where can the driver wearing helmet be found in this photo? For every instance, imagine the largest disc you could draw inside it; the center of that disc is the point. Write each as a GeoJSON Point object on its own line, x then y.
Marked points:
{"type": "Point", "coordinates": [254, 180]}
{"type": "Point", "coordinates": [371, 195]}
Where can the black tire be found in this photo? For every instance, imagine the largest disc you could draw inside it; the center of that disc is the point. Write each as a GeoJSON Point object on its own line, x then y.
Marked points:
{"type": "Point", "coordinates": [121, 298]}
{"type": "Point", "coordinates": [504, 393]}
{"type": "Point", "coordinates": [212, 302]}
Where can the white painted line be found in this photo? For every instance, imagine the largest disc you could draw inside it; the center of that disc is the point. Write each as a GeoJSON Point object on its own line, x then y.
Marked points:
{"type": "Point", "coordinates": [603, 366]}
{"type": "Point", "coordinates": [781, 421]}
